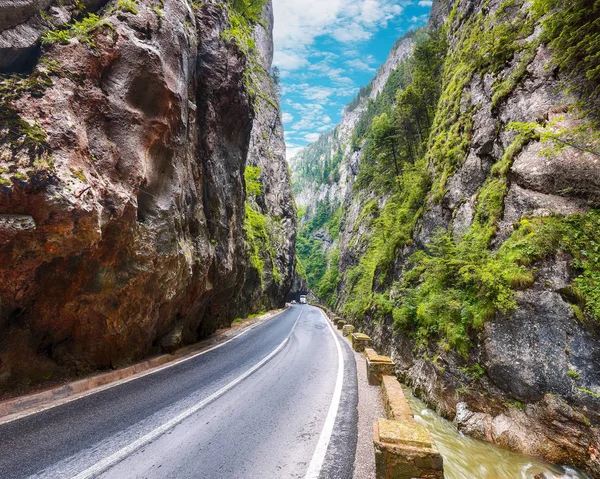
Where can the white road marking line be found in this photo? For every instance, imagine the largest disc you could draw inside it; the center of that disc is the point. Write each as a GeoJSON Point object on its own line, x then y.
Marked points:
{"type": "Point", "coordinates": [316, 464]}
{"type": "Point", "coordinates": [108, 462]}
{"type": "Point", "coordinates": [134, 377]}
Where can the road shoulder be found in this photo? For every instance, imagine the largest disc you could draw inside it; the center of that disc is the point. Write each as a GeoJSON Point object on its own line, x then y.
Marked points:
{"type": "Point", "coordinates": [343, 440]}
{"type": "Point", "coordinates": [23, 406]}
{"type": "Point", "coordinates": [369, 407]}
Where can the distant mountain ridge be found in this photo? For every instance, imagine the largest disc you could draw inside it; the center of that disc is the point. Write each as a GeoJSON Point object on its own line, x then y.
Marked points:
{"type": "Point", "coordinates": [325, 148]}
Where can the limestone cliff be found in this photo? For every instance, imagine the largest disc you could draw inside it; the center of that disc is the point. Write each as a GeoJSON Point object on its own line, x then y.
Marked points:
{"type": "Point", "coordinates": [124, 155]}
{"type": "Point", "coordinates": [309, 163]}
{"type": "Point", "coordinates": [466, 240]}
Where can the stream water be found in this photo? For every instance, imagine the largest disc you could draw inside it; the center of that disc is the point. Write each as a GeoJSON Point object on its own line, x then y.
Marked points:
{"type": "Point", "coordinates": [468, 458]}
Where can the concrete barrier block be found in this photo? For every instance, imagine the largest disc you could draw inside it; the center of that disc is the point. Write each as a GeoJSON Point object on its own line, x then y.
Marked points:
{"type": "Point", "coordinates": [370, 353]}
{"type": "Point", "coordinates": [394, 400]}
{"type": "Point", "coordinates": [347, 330]}
{"type": "Point", "coordinates": [405, 450]}
{"type": "Point", "coordinates": [341, 323]}
{"type": "Point", "coordinates": [378, 366]}
{"type": "Point", "coordinates": [360, 342]}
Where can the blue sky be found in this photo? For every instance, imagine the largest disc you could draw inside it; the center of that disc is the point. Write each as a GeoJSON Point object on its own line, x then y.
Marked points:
{"type": "Point", "coordinates": [327, 49]}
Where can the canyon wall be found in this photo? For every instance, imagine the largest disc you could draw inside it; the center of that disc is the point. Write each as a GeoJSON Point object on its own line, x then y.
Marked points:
{"type": "Point", "coordinates": [128, 130]}
{"type": "Point", "coordinates": [457, 222]}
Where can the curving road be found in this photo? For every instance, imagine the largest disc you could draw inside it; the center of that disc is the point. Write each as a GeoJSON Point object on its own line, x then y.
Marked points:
{"type": "Point", "coordinates": [278, 401]}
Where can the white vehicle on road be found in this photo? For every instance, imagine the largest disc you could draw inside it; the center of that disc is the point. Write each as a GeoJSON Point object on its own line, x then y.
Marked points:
{"type": "Point", "coordinates": [303, 299]}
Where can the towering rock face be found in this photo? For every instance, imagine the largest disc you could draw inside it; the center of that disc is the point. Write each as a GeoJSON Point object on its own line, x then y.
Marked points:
{"type": "Point", "coordinates": [470, 252]}
{"type": "Point", "coordinates": [123, 205]}
{"type": "Point", "coordinates": [275, 203]}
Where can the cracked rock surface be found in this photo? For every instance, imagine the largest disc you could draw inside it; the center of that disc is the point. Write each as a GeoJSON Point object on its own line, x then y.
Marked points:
{"type": "Point", "coordinates": [122, 197]}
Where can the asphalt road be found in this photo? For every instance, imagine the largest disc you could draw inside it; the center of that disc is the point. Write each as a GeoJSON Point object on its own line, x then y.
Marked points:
{"type": "Point", "coordinates": [278, 401]}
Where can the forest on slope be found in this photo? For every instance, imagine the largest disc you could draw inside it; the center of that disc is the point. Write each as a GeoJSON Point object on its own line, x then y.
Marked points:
{"type": "Point", "coordinates": [455, 219]}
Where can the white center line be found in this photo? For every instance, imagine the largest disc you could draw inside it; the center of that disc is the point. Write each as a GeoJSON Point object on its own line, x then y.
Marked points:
{"type": "Point", "coordinates": [121, 454]}
{"type": "Point", "coordinates": [135, 377]}
{"type": "Point", "coordinates": [316, 464]}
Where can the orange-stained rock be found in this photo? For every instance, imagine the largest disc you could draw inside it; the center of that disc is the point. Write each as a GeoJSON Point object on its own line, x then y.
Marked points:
{"type": "Point", "coordinates": [122, 224]}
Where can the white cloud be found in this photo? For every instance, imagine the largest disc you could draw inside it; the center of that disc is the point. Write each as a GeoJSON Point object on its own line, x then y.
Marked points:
{"type": "Point", "coordinates": [420, 20]}
{"type": "Point", "coordinates": [299, 23]}
{"type": "Point", "coordinates": [360, 65]}
{"type": "Point", "coordinates": [312, 137]}
{"type": "Point", "coordinates": [425, 3]}
{"type": "Point", "coordinates": [292, 151]}
{"type": "Point", "coordinates": [289, 60]}
{"type": "Point", "coordinates": [318, 92]}
{"type": "Point", "coordinates": [318, 80]}
{"type": "Point", "coordinates": [352, 33]}
{"type": "Point", "coordinates": [336, 75]}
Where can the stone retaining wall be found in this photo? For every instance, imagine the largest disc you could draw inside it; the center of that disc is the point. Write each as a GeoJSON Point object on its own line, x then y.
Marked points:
{"type": "Point", "coordinates": [403, 448]}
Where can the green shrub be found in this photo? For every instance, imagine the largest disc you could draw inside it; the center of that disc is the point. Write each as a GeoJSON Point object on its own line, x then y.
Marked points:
{"type": "Point", "coordinates": [261, 231]}
{"type": "Point", "coordinates": [255, 228]}
{"type": "Point", "coordinates": [252, 179]}
{"type": "Point", "coordinates": [129, 6]}
{"type": "Point", "coordinates": [576, 234]}
{"type": "Point", "coordinates": [453, 288]}
{"type": "Point", "coordinates": [327, 291]}
{"type": "Point", "coordinates": [572, 29]}
{"type": "Point", "coordinates": [310, 250]}
{"type": "Point", "coordinates": [251, 10]}
{"type": "Point", "coordinates": [81, 29]}
{"type": "Point", "coordinates": [474, 372]}
{"type": "Point", "coordinates": [391, 230]}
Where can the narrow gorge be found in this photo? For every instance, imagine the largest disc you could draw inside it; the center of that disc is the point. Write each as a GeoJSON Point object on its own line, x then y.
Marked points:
{"type": "Point", "coordinates": [145, 198]}
{"type": "Point", "coordinates": [150, 201]}
{"type": "Point", "coordinates": [453, 216]}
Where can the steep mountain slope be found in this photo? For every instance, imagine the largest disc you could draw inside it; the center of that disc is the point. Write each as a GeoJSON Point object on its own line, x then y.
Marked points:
{"type": "Point", "coordinates": [324, 172]}
{"type": "Point", "coordinates": [144, 193]}
{"type": "Point", "coordinates": [458, 222]}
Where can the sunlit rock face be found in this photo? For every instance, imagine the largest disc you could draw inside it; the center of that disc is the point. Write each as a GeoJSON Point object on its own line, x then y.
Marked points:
{"type": "Point", "coordinates": [122, 194]}
{"type": "Point", "coordinates": [530, 379]}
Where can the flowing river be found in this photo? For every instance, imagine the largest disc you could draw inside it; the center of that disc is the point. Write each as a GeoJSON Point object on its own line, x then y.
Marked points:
{"type": "Point", "coordinates": [468, 458]}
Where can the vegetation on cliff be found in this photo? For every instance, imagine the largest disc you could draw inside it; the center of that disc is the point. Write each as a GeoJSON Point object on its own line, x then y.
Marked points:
{"type": "Point", "coordinates": [124, 156]}
{"type": "Point", "coordinates": [572, 30]}
{"type": "Point", "coordinates": [413, 138]}
{"type": "Point", "coordinates": [261, 231]}
{"type": "Point", "coordinates": [394, 164]}
{"type": "Point", "coordinates": [320, 268]}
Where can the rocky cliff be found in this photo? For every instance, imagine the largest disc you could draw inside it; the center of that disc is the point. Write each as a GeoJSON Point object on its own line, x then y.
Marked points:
{"type": "Point", "coordinates": [144, 194]}
{"type": "Point", "coordinates": [466, 242]}
{"type": "Point", "coordinates": [324, 173]}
